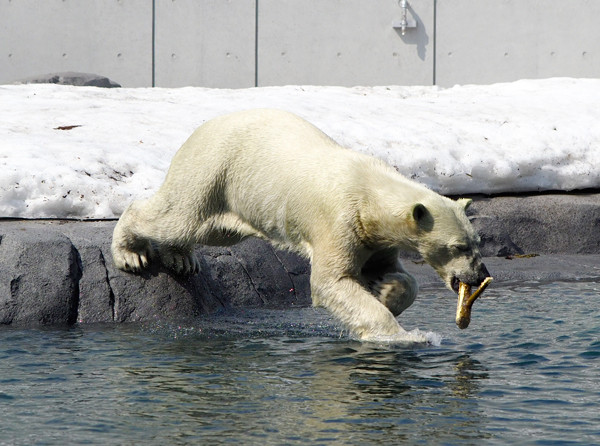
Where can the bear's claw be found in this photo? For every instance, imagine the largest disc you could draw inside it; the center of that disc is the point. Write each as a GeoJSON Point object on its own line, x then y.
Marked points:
{"type": "Point", "coordinates": [181, 263]}
{"type": "Point", "coordinates": [131, 261]}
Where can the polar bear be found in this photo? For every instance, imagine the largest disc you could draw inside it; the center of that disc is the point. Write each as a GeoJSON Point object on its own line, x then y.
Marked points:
{"type": "Point", "coordinates": [271, 174]}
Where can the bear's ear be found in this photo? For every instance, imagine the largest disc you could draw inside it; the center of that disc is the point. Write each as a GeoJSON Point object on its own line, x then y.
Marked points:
{"type": "Point", "coordinates": [422, 217]}
{"type": "Point", "coordinates": [464, 203]}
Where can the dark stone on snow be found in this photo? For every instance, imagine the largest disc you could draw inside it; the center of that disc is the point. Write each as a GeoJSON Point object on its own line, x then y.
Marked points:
{"type": "Point", "coordinates": [72, 78]}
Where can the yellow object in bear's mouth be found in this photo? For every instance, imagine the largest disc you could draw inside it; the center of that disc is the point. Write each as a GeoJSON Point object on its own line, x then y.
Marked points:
{"type": "Point", "coordinates": [465, 301]}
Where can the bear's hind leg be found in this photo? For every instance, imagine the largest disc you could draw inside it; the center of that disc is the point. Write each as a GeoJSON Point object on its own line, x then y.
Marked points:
{"type": "Point", "coordinates": [221, 229]}
{"type": "Point", "coordinates": [146, 231]}
{"type": "Point", "coordinates": [130, 252]}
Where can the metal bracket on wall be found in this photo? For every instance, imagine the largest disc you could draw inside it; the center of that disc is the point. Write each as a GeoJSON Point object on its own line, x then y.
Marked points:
{"type": "Point", "coordinates": [405, 22]}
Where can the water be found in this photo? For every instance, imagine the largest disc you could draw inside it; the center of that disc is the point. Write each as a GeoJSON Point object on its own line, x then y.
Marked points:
{"type": "Point", "coordinates": [527, 371]}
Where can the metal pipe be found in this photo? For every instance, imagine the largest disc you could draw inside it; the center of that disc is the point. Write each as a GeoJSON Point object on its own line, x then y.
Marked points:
{"type": "Point", "coordinates": [404, 21]}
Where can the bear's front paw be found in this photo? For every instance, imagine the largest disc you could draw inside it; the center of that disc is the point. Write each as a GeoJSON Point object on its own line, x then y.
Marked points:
{"type": "Point", "coordinates": [181, 263]}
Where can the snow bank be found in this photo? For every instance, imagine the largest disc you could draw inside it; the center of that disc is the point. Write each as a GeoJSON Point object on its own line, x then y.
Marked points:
{"type": "Point", "coordinates": [521, 136]}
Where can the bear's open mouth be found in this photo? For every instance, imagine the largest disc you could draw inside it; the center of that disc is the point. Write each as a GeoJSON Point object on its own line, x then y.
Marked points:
{"type": "Point", "coordinates": [455, 283]}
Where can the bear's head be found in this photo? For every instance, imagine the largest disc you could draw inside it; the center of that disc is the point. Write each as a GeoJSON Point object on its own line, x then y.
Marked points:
{"type": "Point", "coordinates": [447, 241]}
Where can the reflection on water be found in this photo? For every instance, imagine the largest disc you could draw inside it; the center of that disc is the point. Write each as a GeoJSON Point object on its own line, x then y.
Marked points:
{"type": "Point", "coordinates": [318, 389]}
{"type": "Point", "coordinates": [526, 371]}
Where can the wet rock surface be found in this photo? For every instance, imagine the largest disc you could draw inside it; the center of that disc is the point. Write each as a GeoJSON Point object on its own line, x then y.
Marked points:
{"type": "Point", "coordinates": [61, 272]}
{"type": "Point", "coordinates": [560, 223]}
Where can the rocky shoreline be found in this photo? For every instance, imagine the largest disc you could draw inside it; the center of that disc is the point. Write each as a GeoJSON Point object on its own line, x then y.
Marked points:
{"type": "Point", "coordinates": [61, 271]}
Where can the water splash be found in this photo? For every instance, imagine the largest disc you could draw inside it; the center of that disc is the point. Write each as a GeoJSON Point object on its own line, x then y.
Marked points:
{"type": "Point", "coordinates": [408, 338]}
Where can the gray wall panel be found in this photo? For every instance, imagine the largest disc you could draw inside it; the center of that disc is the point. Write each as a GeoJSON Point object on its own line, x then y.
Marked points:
{"type": "Point", "coordinates": [209, 43]}
{"type": "Point", "coordinates": [343, 42]}
{"type": "Point", "coordinates": [108, 37]}
{"type": "Point", "coordinates": [486, 41]}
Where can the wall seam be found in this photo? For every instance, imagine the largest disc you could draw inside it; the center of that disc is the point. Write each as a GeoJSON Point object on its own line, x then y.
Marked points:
{"type": "Point", "coordinates": [434, 80]}
{"type": "Point", "coordinates": [256, 43]}
{"type": "Point", "coordinates": [153, 43]}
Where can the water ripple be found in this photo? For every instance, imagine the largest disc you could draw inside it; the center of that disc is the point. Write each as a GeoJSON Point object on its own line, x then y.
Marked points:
{"type": "Point", "coordinates": [525, 372]}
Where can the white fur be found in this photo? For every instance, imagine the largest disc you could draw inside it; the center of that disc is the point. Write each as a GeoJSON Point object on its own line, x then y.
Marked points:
{"type": "Point", "coordinates": [271, 174]}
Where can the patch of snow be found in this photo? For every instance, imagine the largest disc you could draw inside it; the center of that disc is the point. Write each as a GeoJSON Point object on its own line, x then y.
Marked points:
{"type": "Point", "coordinates": [529, 135]}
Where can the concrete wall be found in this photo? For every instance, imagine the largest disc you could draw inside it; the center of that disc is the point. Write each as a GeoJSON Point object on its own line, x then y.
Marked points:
{"type": "Point", "coordinates": [208, 43]}
{"type": "Point", "coordinates": [342, 42]}
{"type": "Point", "coordinates": [243, 43]}
{"type": "Point", "coordinates": [485, 41]}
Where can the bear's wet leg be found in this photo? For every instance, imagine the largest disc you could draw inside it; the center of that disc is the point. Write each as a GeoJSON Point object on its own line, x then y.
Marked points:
{"type": "Point", "coordinates": [358, 309]}
{"type": "Point", "coordinates": [129, 251]}
{"type": "Point", "coordinates": [347, 299]}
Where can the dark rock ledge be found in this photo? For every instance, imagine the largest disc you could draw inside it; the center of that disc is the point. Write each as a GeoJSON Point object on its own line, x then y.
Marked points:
{"type": "Point", "coordinates": [71, 78]}
{"type": "Point", "coordinates": [61, 271]}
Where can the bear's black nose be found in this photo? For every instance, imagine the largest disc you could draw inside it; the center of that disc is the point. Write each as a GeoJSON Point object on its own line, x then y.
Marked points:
{"type": "Point", "coordinates": [482, 274]}
{"type": "Point", "coordinates": [455, 284]}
